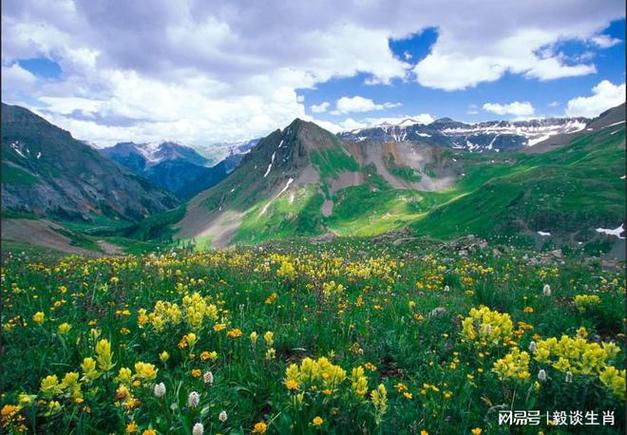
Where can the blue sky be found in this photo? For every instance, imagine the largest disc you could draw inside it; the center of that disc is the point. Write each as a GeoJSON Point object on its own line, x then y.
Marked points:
{"type": "Point", "coordinates": [543, 95]}
{"type": "Point", "coordinates": [202, 73]}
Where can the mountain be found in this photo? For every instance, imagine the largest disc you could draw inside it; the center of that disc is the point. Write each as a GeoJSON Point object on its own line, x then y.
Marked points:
{"type": "Point", "coordinates": [46, 172]}
{"type": "Point", "coordinates": [218, 151]}
{"type": "Point", "coordinates": [480, 137]}
{"type": "Point", "coordinates": [305, 181]}
{"type": "Point", "coordinates": [177, 168]}
{"type": "Point", "coordinates": [139, 157]}
{"type": "Point", "coordinates": [610, 118]}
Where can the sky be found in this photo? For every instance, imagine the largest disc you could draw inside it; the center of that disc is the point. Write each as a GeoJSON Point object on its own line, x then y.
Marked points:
{"type": "Point", "coordinates": [203, 73]}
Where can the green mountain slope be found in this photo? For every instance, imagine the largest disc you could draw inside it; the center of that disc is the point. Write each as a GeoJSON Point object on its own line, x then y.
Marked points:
{"type": "Point", "coordinates": [567, 192]}
{"type": "Point", "coordinates": [46, 172]}
{"type": "Point", "coordinates": [303, 181]}
{"type": "Point", "coordinates": [291, 182]}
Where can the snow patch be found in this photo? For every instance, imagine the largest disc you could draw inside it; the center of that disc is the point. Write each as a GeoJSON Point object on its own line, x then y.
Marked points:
{"type": "Point", "coordinates": [616, 123]}
{"type": "Point", "coordinates": [532, 142]}
{"type": "Point", "coordinates": [615, 232]}
{"type": "Point", "coordinates": [16, 148]}
{"type": "Point", "coordinates": [265, 207]}
{"type": "Point", "coordinates": [544, 233]}
{"type": "Point", "coordinates": [270, 165]}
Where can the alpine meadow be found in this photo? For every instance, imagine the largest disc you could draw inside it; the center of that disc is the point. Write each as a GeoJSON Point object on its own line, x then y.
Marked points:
{"type": "Point", "coordinates": [401, 217]}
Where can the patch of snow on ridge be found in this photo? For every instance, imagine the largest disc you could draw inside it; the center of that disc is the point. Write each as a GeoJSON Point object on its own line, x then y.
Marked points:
{"type": "Point", "coordinates": [270, 165]}
{"type": "Point", "coordinates": [492, 141]}
{"type": "Point", "coordinates": [616, 123]}
{"type": "Point", "coordinates": [290, 181]}
{"type": "Point", "coordinates": [532, 142]}
{"type": "Point", "coordinates": [17, 149]}
{"type": "Point", "coordinates": [534, 133]}
{"type": "Point", "coordinates": [544, 233]}
{"type": "Point", "coordinates": [615, 232]}
{"type": "Point", "coordinates": [265, 207]}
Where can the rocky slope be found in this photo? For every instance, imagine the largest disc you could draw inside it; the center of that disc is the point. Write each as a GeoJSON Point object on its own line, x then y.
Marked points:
{"type": "Point", "coordinates": [46, 172]}
{"type": "Point", "coordinates": [492, 136]}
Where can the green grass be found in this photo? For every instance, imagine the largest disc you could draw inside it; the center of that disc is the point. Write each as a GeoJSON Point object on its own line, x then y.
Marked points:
{"type": "Point", "coordinates": [157, 227]}
{"type": "Point", "coordinates": [330, 162]}
{"type": "Point", "coordinates": [359, 210]}
{"type": "Point", "coordinates": [17, 176]}
{"type": "Point", "coordinates": [80, 240]}
{"type": "Point", "coordinates": [403, 172]}
{"type": "Point", "coordinates": [563, 192]}
{"type": "Point", "coordinates": [283, 218]}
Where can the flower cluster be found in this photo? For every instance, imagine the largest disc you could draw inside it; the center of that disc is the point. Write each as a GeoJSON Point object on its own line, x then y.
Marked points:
{"type": "Point", "coordinates": [514, 365]}
{"type": "Point", "coordinates": [486, 327]}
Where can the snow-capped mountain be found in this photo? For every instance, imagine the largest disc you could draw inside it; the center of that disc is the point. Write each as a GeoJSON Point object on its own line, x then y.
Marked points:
{"type": "Point", "coordinates": [479, 137]}
{"type": "Point", "coordinates": [141, 156]}
{"type": "Point", "coordinates": [219, 151]}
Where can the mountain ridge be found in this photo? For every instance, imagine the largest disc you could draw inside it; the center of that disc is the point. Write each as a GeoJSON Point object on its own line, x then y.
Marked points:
{"type": "Point", "coordinates": [48, 172]}
{"type": "Point", "coordinates": [303, 180]}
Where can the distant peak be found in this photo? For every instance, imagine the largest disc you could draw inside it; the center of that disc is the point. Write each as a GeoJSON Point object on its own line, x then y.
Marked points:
{"type": "Point", "coordinates": [445, 119]}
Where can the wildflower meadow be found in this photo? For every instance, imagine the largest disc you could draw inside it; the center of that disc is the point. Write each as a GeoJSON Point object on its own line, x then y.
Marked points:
{"type": "Point", "coordinates": [344, 337]}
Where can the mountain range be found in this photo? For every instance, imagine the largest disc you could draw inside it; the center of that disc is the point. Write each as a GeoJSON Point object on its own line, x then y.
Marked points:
{"type": "Point", "coordinates": [303, 180]}
{"type": "Point", "coordinates": [175, 167]}
{"type": "Point", "coordinates": [555, 181]}
{"type": "Point", "coordinates": [483, 136]}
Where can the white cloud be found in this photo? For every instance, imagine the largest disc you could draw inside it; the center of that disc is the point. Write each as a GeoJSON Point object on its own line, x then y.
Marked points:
{"type": "Point", "coordinates": [605, 41]}
{"type": "Point", "coordinates": [203, 72]}
{"type": "Point", "coordinates": [349, 124]}
{"type": "Point", "coordinates": [320, 108]}
{"type": "Point", "coordinates": [516, 108]}
{"type": "Point", "coordinates": [472, 109]}
{"type": "Point", "coordinates": [360, 104]}
{"type": "Point", "coordinates": [605, 95]}
{"type": "Point", "coordinates": [421, 118]}
{"type": "Point", "coordinates": [554, 104]}
{"type": "Point", "coordinates": [496, 38]}
{"type": "Point", "coordinates": [16, 77]}
{"type": "Point", "coordinates": [553, 68]}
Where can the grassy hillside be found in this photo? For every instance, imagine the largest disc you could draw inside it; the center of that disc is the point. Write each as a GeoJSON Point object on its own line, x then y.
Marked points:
{"type": "Point", "coordinates": [566, 192]}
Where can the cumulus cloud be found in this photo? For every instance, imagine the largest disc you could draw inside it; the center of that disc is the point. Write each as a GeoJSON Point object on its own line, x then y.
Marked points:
{"type": "Point", "coordinates": [205, 72]}
{"type": "Point", "coordinates": [320, 108]}
{"type": "Point", "coordinates": [16, 77]}
{"type": "Point", "coordinates": [605, 95]}
{"type": "Point", "coordinates": [360, 104]}
{"type": "Point", "coordinates": [516, 108]}
{"type": "Point", "coordinates": [349, 124]}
